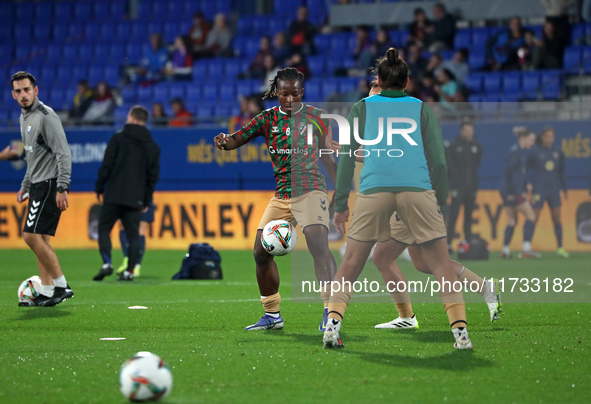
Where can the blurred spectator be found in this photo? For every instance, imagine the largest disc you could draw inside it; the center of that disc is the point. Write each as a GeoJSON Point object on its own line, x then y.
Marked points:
{"type": "Point", "coordinates": [447, 88]}
{"type": "Point", "coordinates": [218, 39]}
{"type": "Point", "coordinates": [435, 64]}
{"type": "Point", "coordinates": [502, 47]}
{"type": "Point", "coordinates": [271, 69]}
{"type": "Point", "coordinates": [256, 70]}
{"type": "Point", "coordinates": [249, 107]}
{"type": "Point", "coordinates": [412, 88]}
{"type": "Point", "coordinates": [181, 117]}
{"type": "Point", "coordinates": [180, 67]}
{"type": "Point", "coordinates": [198, 32]}
{"type": "Point", "coordinates": [362, 52]}
{"type": "Point", "coordinates": [281, 50]}
{"type": "Point", "coordinates": [154, 61]}
{"type": "Point", "coordinates": [441, 34]}
{"type": "Point", "coordinates": [301, 33]}
{"type": "Point", "coordinates": [416, 32]}
{"type": "Point", "coordinates": [81, 102]}
{"type": "Point", "coordinates": [415, 61]}
{"type": "Point", "coordinates": [525, 51]}
{"type": "Point", "coordinates": [159, 117]}
{"type": "Point", "coordinates": [382, 43]}
{"type": "Point", "coordinates": [102, 108]}
{"type": "Point", "coordinates": [549, 52]}
{"type": "Point", "coordinates": [298, 61]}
{"type": "Point", "coordinates": [428, 87]}
{"type": "Point", "coordinates": [458, 65]}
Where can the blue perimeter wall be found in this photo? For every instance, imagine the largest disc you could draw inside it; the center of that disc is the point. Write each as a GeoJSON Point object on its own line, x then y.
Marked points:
{"type": "Point", "coordinates": [189, 162]}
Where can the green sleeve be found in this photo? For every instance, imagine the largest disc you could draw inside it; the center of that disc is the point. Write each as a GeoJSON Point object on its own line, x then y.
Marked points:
{"type": "Point", "coordinates": [435, 153]}
{"type": "Point", "coordinates": [346, 167]}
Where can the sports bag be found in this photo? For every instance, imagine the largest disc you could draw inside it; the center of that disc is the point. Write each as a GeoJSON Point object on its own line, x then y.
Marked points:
{"type": "Point", "coordinates": [476, 249]}
{"type": "Point", "coordinates": [201, 262]}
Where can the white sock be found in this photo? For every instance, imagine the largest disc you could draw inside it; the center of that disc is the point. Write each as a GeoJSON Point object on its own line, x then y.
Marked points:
{"type": "Point", "coordinates": [335, 323]}
{"type": "Point", "coordinates": [105, 266]}
{"type": "Point", "coordinates": [526, 246]}
{"type": "Point", "coordinates": [506, 250]}
{"type": "Point", "coordinates": [46, 290]}
{"type": "Point", "coordinates": [274, 315]}
{"type": "Point", "coordinates": [60, 282]}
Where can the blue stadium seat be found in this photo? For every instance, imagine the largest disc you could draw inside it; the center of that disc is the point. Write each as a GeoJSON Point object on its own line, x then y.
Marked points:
{"type": "Point", "coordinates": [82, 10]}
{"type": "Point", "coordinates": [286, 8]}
{"type": "Point", "coordinates": [112, 75]}
{"type": "Point", "coordinates": [6, 51]}
{"type": "Point", "coordinates": [42, 32]}
{"type": "Point", "coordinates": [116, 51]}
{"type": "Point", "coordinates": [160, 10]}
{"type": "Point", "coordinates": [479, 37]}
{"type": "Point", "coordinates": [91, 32]}
{"type": "Point", "coordinates": [578, 34]}
{"type": "Point", "coordinates": [586, 59]}
{"type": "Point", "coordinates": [7, 12]}
{"type": "Point", "coordinates": [531, 85]}
{"type": "Point", "coordinates": [25, 11]}
{"type": "Point", "coordinates": [227, 92]}
{"type": "Point", "coordinates": [243, 26]}
{"type": "Point", "coordinates": [23, 33]}
{"type": "Point", "coordinates": [100, 10]}
{"type": "Point", "coordinates": [120, 114]}
{"type": "Point", "coordinates": [117, 10]}
{"type": "Point", "coordinates": [47, 74]}
{"type": "Point", "coordinates": [200, 70]}
{"type": "Point", "coordinates": [232, 69]}
{"type": "Point", "coordinates": [277, 24]}
{"type": "Point", "coordinates": [322, 43]}
{"type": "Point", "coordinates": [144, 11]}
{"type": "Point", "coordinates": [259, 25]}
{"type": "Point", "coordinates": [244, 87]}
{"type": "Point", "coordinates": [347, 84]}
{"type": "Point", "coordinates": [6, 30]}
{"type": "Point", "coordinates": [210, 92]}
{"type": "Point", "coordinates": [170, 31]}
{"type": "Point", "coordinates": [463, 39]}
{"type": "Point", "coordinates": [79, 72]}
{"type": "Point", "coordinates": [70, 52]}
{"type": "Point", "coordinates": [133, 53]}
{"type": "Point", "coordinates": [95, 74]}
{"type": "Point", "coordinates": [572, 58]}
{"type": "Point", "coordinates": [162, 93]}
{"type": "Point", "coordinates": [332, 63]}
{"type": "Point", "coordinates": [208, 9]}
{"type": "Point", "coordinates": [43, 11]}
{"type": "Point", "coordinates": [63, 12]}
{"type": "Point", "coordinates": [512, 84]}
{"type": "Point", "coordinates": [477, 59]}
{"type": "Point", "coordinates": [536, 29]}
{"type": "Point", "coordinates": [193, 92]}
{"type": "Point", "coordinates": [492, 83]}
{"type": "Point", "coordinates": [176, 9]}
{"type": "Point", "coordinates": [221, 111]}
{"type": "Point", "coordinates": [59, 32]}
{"type": "Point", "coordinates": [312, 90]}
{"type": "Point", "coordinates": [75, 30]}
{"type": "Point", "coordinates": [551, 84]}
{"type": "Point", "coordinates": [316, 65]}
{"type": "Point", "coordinates": [329, 86]}
{"type": "Point", "coordinates": [129, 94]}
{"type": "Point", "coordinates": [177, 90]}
{"type": "Point", "coordinates": [204, 111]}
{"type": "Point", "coordinates": [145, 94]}
{"type": "Point", "coordinates": [107, 31]}
{"type": "Point", "coordinates": [138, 32]}
{"type": "Point", "coordinates": [216, 69]}
{"type": "Point", "coordinates": [64, 74]}
{"type": "Point", "coordinates": [57, 98]}
{"type": "Point", "coordinates": [86, 53]}
{"type": "Point", "coordinates": [223, 6]}
{"type": "Point", "coordinates": [338, 43]}
{"type": "Point", "coordinates": [53, 56]}
{"type": "Point", "coordinates": [252, 46]}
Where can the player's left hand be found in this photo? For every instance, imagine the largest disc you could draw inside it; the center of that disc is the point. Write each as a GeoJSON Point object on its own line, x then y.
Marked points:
{"type": "Point", "coordinates": [61, 199]}
{"type": "Point", "coordinates": [340, 218]}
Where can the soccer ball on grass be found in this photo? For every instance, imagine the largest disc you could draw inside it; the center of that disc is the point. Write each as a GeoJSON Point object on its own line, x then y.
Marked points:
{"type": "Point", "coordinates": [145, 377]}
{"type": "Point", "coordinates": [29, 289]}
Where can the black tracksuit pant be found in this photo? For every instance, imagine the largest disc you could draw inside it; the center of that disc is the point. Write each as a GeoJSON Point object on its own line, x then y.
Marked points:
{"type": "Point", "coordinates": [130, 218]}
{"type": "Point", "coordinates": [459, 197]}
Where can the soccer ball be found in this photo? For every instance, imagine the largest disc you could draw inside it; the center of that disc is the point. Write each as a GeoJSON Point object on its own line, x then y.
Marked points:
{"type": "Point", "coordinates": [145, 377]}
{"type": "Point", "coordinates": [29, 289]}
{"type": "Point", "coordinates": [279, 237]}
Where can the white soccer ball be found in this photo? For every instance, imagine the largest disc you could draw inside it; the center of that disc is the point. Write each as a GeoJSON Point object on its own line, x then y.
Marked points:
{"type": "Point", "coordinates": [29, 289]}
{"type": "Point", "coordinates": [145, 377]}
{"type": "Point", "coordinates": [279, 237]}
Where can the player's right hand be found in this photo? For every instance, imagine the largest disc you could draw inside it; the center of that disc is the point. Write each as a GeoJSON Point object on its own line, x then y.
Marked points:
{"type": "Point", "coordinates": [340, 218]}
{"type": "Point", "coordinates": [22, 196]}
{"type": "Point", "coordinates": [220, 141]}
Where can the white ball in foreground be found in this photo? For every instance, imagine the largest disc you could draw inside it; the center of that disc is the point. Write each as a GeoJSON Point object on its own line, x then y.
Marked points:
{"type": "Point", "coordinates": [145, 377]}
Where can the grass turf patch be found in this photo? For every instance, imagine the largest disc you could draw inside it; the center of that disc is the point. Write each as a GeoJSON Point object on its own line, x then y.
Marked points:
{"type": "Point", "coordinates": [535, 353]}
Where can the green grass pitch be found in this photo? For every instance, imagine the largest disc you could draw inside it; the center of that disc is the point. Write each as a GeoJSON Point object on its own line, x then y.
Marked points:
{"type": "Point", "coordinates": [536, 353]}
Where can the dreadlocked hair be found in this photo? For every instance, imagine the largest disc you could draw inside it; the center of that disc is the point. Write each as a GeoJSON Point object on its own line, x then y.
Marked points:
{"type": "Point", "coordinates": [288, 73]}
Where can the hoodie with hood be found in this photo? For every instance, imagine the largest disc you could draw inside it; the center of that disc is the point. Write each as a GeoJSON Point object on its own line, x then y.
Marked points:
{"type": "Point", "coordinates": [130, 169]}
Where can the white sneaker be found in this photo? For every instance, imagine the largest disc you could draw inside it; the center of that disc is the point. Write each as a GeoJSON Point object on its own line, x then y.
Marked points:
{"type": "Point", "coordinates": [331, 338]}
{"type": "Point", "coordinates": [462, 339]}
{"type": "Point", "coordinates": [401, 323]}
{"type": "Point", "coordinates": [492, 296]}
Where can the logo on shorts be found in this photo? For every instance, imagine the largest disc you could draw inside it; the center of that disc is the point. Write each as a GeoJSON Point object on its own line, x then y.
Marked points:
{"type": "Point", "coordinates": [319, 218]}
{"type": "Point", "coordinates": [32, 213]}
{"type": "Point", "coordinates": [323, 204]}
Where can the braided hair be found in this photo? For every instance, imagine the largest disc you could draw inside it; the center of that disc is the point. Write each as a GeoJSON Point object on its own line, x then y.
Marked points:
{"type": "Point", "coordinates": [288, 73]}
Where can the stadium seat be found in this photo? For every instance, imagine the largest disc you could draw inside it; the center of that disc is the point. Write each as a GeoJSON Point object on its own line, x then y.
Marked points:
{"type": "Point", "coordinates": [91, 32]}
{"type": "Point", "coordinates": [316, 65]}
{"type": "Point", "coordinates": [129, 94]}
{"type": "Point", "coordinates": [286, 8]}
{"type": "Point", "coordinates": [58, 98]}
{"type": "Point", "coordinates": [116, 51]}
{"type": "Point", "coordinates": [512, 97]}
{"type": "Point", "coordinates": [338, 43]}
{"type": "Point", "coordinates": [578, 34]}
{"type": "Point", "coordinates": [70, 52]}
{"type": "Point", "coordinates": [100, 10]}
{"type": "Point", "coordinates": [53, 55]}
{"type": "Point", "coordinates": [329, 86]}
{"type": "Point", "coordinates": [112, 75]}
{"type": "Point", "coordinates": [227, 92]}
{"type": "Point", "coordinates": [23, 33]}
{"type": "Point", "coordinates": [252, 46]}
{"type": "Point", "coordinates": [161, 93]}
{"type": "Point", "coordinates": [107, 32]}
{"type": "Point", "coordinates": [259, 25]}
{"type": "Point", "coordinates": [62, 11]}
{"type": "Point", "coordinates": [25, 10]}
{"type": "Point", "coordinates": [193, 93]}
{"type": "Point", "coordinates": [312, 91]}
{"type": "Point", "coordinates": [96, 73]}
{"type": "Point", "coordinates": [512, 84]}
{"type": "Point", "coordinates": [177, 90]}
{"type": "Point", "coordinates": [86, 53]}
{"type": "Point", "coordinates": [200, 70]}
{"type": "Point", "coordinates": [477, 59]}
{"type": "Point", "coordinates": [463, 39]}
{"type": "Point", "coordinates": [145, 94]}
{"type": "Point", "coordinates": [221, 111]}
{"type": "Point", "coordinates": [210, 92]}
{"type": "Point", "coordinates": [480, 37]}
{"type": "Point", "coordinates": [42, 32]}
{"type": "Point", "coordinates": [7, 12]}
{"type": "Point", "coordinates": [169, 31]}
{"type": "Point", "coordinates": [6, 31]}
{"type": "Point", "coordinates": [586, 59]}
{"type": "Point", "coordinates": [133, 53]}
{"type": "Point", "coordinates": [75, 30]}
{"type": "Point", "coordinates": [492, 83]}
{"type": "Point", "coordinates": [277, 24]}
{"type": "Point", "coordinates": [232, 69]}
{"type": "Point", "coordinates": [531, 85]}
{"type": "Point", "coordinates": [204, 111]}
{"type": "Point", "coordinates": [572, 58]}
{"type": "Point", "coordinates": [551, 84]}
{"type": "Point", "coordinates": [43, 11]}
{"type": "Point", "coordinates": [322, 43]}
{"type": "Point", "coordinates": [59, 33]}
{"type": "Point", "coordinates": [79, 72]}
{"type": "Point", "coordinates": [243, 27]}
{"type": "Point", "coordinates": [117, 10]}
{"type": "Point", "coordinates": [244, 87]}
{"type": "Point", "coordinates": [215, 69]}
{"type": "Point", "coordinates": [82, 10]}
